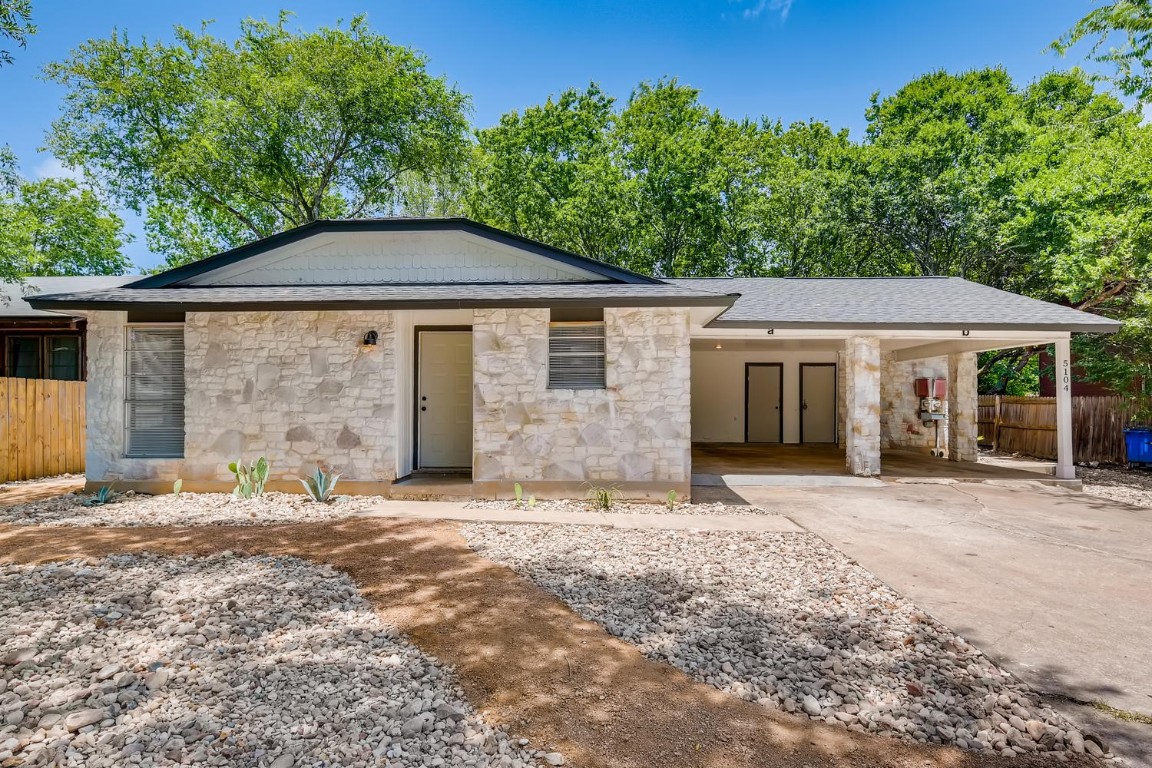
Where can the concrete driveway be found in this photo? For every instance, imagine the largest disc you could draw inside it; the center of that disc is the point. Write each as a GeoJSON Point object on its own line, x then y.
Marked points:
{"type": "Point", "coordinates": [1054, 584]}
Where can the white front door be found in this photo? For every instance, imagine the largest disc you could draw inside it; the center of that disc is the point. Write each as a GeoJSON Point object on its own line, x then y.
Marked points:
{"type": "Point", "coordinates": [444, 400]}
{"type": "Point", "coordinates": [817, 402]}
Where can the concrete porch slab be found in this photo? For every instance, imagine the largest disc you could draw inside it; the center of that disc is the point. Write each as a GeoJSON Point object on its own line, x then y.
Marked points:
{"type": "Point", "coordinates": [786, 481]}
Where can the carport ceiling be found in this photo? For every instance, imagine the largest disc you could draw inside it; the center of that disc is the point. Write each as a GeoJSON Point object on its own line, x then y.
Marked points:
{"type": "Point", "coordinates": [905, 348]}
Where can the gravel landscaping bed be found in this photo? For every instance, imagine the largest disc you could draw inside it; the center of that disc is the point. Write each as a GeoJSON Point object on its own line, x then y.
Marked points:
{"type": "Point", "coordinates": [149, 660]}
{"type": "Point", "coordinates": [788, 621]}
{"type": "Point", "coordinates": [1131, 486]}
{"type": "Point", "coordinates": [130, 510]}
{"type": "Point", "coordinates": [625, 507]}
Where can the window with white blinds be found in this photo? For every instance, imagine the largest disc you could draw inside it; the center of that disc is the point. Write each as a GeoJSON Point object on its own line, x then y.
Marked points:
{"type": "Point", "coordinates": [576, 355]}
{"type": "Point", "coordinates": [154, 407]}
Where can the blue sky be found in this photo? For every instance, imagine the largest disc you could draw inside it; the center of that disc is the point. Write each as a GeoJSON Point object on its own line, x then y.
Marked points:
{"type": "Point", "coordinates": [787, 59]}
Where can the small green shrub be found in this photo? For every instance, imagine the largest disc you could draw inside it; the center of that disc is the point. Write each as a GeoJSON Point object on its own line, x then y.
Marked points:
{"type": "Point", "coordinates": [671, 500]}
{"type": "Point", "coordinates": [518, 492]}
{"type": "Point", "coordinates": [176, 486]}
{"type": "Point", "coordinates": [603, 498]}
{"type": "Point", "coordinates": [531, 502]}
{"type": "Point", "coordinates": [103, 495]}
{"type": "Point", "coordinates": [250, 479]}
{"type": "Point", "coordinates": [320, 486]}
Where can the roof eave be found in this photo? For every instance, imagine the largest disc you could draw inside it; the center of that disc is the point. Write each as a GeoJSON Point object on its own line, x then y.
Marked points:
{"type": "Point", "coordinates": [1102, 327]}
{"type": "Point", "coordinates": [51, 303]}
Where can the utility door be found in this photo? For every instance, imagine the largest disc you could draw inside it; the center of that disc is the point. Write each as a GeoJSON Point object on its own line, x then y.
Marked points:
{"type": "Point", "coordinates": [818, 402]}
{"type": "Point", "coordinates": [444, 400]}
{"type": "Point", "coordinates": [763, 398]}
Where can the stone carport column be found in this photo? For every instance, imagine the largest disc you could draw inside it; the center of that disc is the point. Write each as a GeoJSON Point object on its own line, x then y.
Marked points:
{"type": "Point", "coordinates": [962, 407]}
{"type": "Point", "coordinates": [862, 414]}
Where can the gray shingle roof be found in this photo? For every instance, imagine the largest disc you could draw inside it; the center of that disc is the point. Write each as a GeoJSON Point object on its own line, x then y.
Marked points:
{"type": "Point", "coordinates": [396, 296]}
{"type": "Point", "coordinates": [17, 306]}
{"type": "Point", "coordinates": [897, 303]}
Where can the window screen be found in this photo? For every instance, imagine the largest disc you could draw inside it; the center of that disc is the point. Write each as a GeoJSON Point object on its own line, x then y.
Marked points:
{"type": "Point", "coordinates": [154, 409]}
{"type": "Point", "coordinates": [576, 355]}
{"type": "Point", "coordinates": [24, 357]}
{"type": "Point", "coordinates": [64, 358]}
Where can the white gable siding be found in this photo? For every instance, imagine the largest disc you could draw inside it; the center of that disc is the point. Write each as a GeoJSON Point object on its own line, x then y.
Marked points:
{"type": "Point", "coordinates": [365, 258]}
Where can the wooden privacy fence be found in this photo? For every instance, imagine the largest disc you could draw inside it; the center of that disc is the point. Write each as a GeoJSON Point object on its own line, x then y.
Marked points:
{"type": "Point", "coordinates": [41, 428]}
{"type": "Point", "coordinates": [1027, 425]}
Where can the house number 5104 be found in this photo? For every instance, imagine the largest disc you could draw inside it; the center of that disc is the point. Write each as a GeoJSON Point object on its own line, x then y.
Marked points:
{"type": "Point", "coordinates": [1067, 377]}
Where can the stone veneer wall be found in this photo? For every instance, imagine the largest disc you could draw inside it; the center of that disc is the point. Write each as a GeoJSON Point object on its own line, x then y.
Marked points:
{"type": "Point", "coordinates": [963, 406]}
{"type": "Point", "coordinates": [105, 460]}
{"type": "Point", "coordinates": [862, 412]}
{"type": "Point", "coordinates": [635, 430]}
{"type": "Point", "coordinates": [900, 425]}
{"type": "Point", "coordinates": [295, 387]}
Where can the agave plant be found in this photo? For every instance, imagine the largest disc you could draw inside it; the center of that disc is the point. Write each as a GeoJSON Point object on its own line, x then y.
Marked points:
{"type": "Point", "coordinates": [250, 479]}
{"type": "Point", "coordinates": [320, 486]}
{"type": "Point", "coordinates": [102, 496]}
{"type": "Point", "coordinates": [603, 498]}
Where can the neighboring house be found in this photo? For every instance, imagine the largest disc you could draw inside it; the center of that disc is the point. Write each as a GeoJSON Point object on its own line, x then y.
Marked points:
{"type": "Point", "coordinates": [37, 344]}
{"type": "Point", "coordinates": [384, 348]}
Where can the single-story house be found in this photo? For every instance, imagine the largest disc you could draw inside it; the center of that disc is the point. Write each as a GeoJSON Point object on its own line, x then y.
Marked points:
{"type": "Point", "coordinates": [394, 347]}
{"type": "Point", "coordinates": [37, 344]}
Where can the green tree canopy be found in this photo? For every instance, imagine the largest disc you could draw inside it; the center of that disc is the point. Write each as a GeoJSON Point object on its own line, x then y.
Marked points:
{"type": "Point", "coordinates": [15, 24]}
{"type": "Point", "coordinates": [1120, 33]}
{"type": "Point", "coordinates": [218, 143]}
{"type": "Point", "coordinates": [55, 227]}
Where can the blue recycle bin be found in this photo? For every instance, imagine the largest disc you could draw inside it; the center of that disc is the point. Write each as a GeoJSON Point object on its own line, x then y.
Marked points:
{"type": "Point", "coordinates": [1138, 443]}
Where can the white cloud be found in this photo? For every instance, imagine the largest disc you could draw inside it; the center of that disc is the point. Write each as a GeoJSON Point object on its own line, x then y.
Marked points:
{"type": "Point", "coordinates": [775, 6]}
{"type": "Point", "coordinates": [52, 168]}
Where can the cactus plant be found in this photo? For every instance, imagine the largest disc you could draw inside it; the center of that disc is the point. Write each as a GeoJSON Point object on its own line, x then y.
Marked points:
{"type": "Point", "coordinates": [250, 479]}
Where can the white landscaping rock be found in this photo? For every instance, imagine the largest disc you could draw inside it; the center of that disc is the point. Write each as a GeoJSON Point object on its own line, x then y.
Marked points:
{"type": "Point", "coordinates": [788, 621]}
{"type": "Point", "coordinates": [712, 509]}
{"type": "Point", "coordinates": [274, 662]}
{"type": "Point", "coordinates": [186, 509]}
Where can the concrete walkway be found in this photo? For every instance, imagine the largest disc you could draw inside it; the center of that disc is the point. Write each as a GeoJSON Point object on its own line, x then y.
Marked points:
{"type": "Point", "coordinates": [452, 510]}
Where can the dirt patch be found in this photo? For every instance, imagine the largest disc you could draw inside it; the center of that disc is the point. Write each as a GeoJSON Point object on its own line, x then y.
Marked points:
{"type": "Point", "coordinates": [24, 491]}
{"type": "Point", "coordinates": [520, 653]}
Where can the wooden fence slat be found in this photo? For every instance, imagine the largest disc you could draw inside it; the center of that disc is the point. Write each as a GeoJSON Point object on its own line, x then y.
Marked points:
{"type": "Point", "coordinates": [1027, 425]}
{"type": "Point", "coordinates": [41, 428]}
{"type": "Point", "coordinates": [6, 432]}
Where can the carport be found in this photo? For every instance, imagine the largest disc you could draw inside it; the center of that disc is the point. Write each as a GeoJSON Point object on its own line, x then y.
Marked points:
{"type": "Point", "coordinates": [800, 375]}
{"type": "Point", "coordinates": [783, 464]}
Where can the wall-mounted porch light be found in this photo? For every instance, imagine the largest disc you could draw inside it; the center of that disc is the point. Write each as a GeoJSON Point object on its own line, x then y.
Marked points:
{"type": "Point", "coordinates": [371, 338]}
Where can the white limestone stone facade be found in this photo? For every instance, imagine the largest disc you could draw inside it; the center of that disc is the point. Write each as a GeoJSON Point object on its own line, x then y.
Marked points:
{"type": "Point", "coordinates": [900, 424]}
{"type": "Point", "coordinates": [963, 407]}
{"type": "Point", "coordinates": [105, 436]}
{"type": "Point", "coordinates": [638, 429]}
{"type": "Point", "coordinates": [862, 410]}
{"type": "Point", "coordinates": [296, 387]}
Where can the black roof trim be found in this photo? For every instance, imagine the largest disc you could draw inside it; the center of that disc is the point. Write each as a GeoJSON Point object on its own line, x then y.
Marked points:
{"type": "Point", "coordinates": [53, 303]}
{"type": "Point", "coordinates": [174, 276]}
